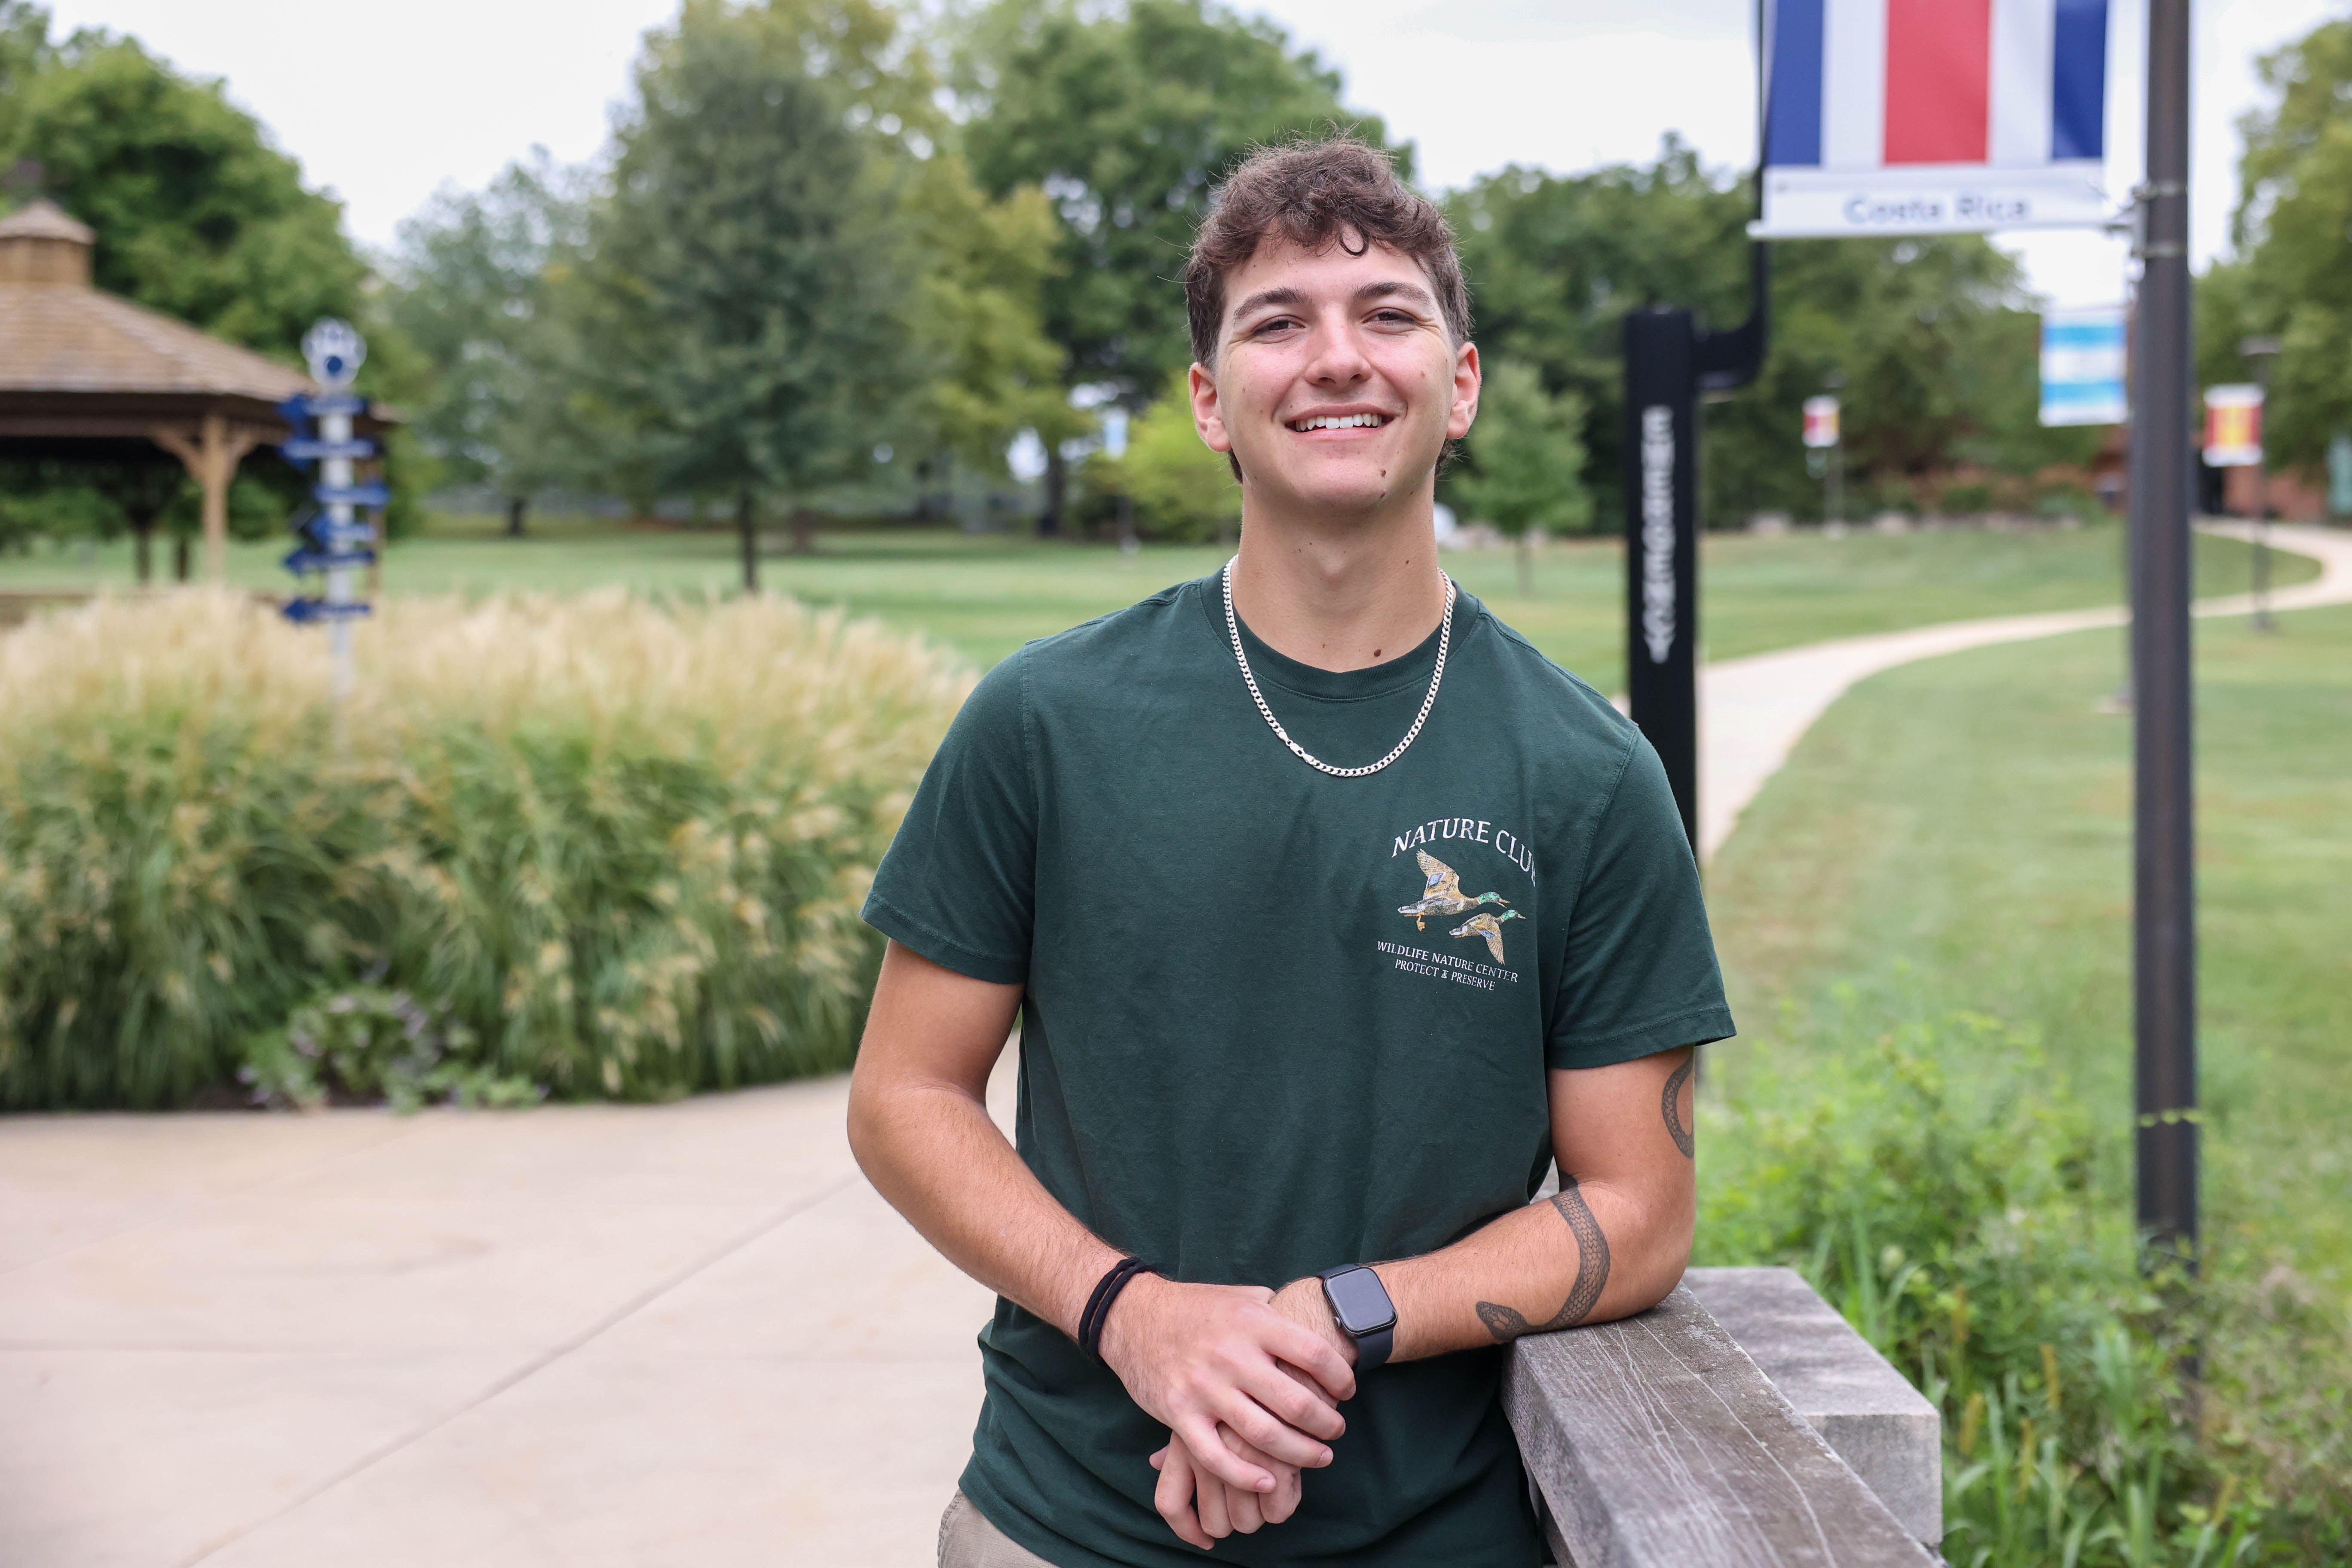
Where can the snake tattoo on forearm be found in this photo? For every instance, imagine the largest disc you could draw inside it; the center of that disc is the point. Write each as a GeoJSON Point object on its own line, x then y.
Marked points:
{"type": "Point", "coordinates": [1684, 1139]}
{"type": "Point", "coordinates": [1592, 1273]}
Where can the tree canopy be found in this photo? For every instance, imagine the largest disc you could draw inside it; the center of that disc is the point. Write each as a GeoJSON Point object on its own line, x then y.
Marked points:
{"type": "Point", "coordinates": [1932, 339]}
{"type": "Point", "coordinates": [2291, 277]}
{"type": "Point", "coordinates": [197, 215]}
{"type": "Point", "coordinates": [1127, 118]}
{"type": "Point", "coordinates": [749, 271]}
{"type": "Point", "coordinates": [836, 239]}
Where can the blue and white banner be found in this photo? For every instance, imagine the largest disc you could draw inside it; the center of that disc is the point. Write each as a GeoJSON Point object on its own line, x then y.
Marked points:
{"type": "Point", "coordinates": [1933, 116]}
{"type": "Point", "coordinates": [2082, 367]}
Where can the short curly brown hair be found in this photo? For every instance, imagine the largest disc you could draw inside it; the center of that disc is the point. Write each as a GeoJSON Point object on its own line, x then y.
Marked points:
{"type": "Point", "coordinates": [1311, 193]}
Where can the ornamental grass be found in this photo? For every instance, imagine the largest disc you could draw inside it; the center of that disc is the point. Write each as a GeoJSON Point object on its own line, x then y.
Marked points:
{"type": "Point", "coordinates": [618, 846]}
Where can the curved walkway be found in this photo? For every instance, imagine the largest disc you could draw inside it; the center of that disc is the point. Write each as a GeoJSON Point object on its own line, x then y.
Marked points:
{"type": "Point", "coordinates": [1753, 710]}
{"type": "Point", "coordinates": [575, 1337]}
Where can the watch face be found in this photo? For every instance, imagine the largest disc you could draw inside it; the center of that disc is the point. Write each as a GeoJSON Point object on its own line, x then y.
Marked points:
{"type": "Point", "coordinates": [1359, 1301]}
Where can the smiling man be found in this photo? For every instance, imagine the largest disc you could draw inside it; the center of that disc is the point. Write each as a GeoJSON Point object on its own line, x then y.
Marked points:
{"type": "Point", "coordinates": [1333, 914]}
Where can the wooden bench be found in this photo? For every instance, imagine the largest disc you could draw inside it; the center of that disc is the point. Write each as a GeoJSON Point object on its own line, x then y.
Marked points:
{"type": "Point", "coordinates": [1738, 1423]}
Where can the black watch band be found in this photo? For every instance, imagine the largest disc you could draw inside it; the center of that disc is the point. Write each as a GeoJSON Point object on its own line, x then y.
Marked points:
{"type": "Point", "coordinates": [1361, 1305]}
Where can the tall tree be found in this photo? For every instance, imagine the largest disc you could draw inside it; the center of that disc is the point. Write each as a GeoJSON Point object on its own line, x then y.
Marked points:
{"type": "Point", "coordinates": [477, 289]}
{"type": "Point", "coordinates": [990, 370]}
{"type": "Point", "coordinates": [749, 271]}
{"type": "Point", "coordinates": [1527, 454]}
{"type": "Point", "coordinates": [1127, 117]}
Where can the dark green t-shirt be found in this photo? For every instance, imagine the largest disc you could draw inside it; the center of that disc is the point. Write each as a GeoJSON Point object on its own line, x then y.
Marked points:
{"type": "Point", "coordinates": [1244, 1060]}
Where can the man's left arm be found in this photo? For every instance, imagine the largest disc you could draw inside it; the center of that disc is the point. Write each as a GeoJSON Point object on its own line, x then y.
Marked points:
{"type": "Point", "coordinates": [1610, 1242]}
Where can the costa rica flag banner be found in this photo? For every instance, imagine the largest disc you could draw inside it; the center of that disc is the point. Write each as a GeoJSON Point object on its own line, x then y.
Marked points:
{"type": "Point", "coordinates": [1933, 116]}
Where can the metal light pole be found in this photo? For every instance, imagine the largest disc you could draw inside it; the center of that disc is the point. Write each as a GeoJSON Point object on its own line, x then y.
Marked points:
{"type": "Point", "coordinates": [1836, 383]}
{"type": "Point", "coordinates": [2260, 354]}
{"type": "Point", "coordinates": [2164, 886]}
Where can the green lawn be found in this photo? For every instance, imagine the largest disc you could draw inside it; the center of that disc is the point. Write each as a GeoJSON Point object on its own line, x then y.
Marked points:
{"type": "Point", "coordinates": [1956, 835]}
{"type": "Point", "coordinates": [1926, 922]}
{"type": "Point", "coordinates": [986, 595]}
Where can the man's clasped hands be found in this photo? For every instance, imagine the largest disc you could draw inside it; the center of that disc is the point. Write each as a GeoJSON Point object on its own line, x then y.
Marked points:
{"type": "Point", "coordinates": [1248, 1382]}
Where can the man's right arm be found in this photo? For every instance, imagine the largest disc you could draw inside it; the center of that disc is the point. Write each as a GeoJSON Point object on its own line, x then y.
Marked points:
{"type": "Point", "coordinates": [1191, 1355]}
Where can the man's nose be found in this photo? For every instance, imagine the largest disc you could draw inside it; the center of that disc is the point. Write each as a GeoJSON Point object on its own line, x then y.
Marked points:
{"type": "Point", "coordinates": [1339, 359]}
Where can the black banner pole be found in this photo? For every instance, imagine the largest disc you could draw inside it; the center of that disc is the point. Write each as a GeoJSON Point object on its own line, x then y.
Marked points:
{"type": "Point", "coordinates": [1662, 544]}
{"type": "Point", "coordinates": [1668, 362]}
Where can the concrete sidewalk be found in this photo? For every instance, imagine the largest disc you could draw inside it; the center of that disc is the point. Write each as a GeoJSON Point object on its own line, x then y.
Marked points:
{"type": "Point", "coordinates": [575, 1336]}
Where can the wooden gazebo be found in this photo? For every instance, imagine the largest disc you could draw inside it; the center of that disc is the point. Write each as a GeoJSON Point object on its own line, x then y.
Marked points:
{"type": "Point", "coordinates": [90, 378]}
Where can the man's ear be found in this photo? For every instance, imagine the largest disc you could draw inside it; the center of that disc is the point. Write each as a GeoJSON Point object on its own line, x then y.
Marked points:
{"type": "Point", "coordinates": [1208, 415]}
{"type": "Point", "coordinates": [1209, 420]}
{"type": "Point", "coordinates": [1467, 382]}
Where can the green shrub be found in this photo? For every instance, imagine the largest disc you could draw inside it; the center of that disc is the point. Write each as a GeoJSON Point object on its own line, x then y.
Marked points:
{"type": "Point", "coordinates": [1967, 497]}
{"type": "Point", "coordinates": [622, 847]}
{"type": "Point", "coordinates": [1181, 490]}
{"type": "Point", "coordinates": [368, 1044]}
{"type": "Point", "coordinates": [1940, 1186]}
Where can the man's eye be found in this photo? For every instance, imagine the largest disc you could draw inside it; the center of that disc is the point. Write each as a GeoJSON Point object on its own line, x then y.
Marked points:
{"type": "Point", "coordinates": [1279, 324]}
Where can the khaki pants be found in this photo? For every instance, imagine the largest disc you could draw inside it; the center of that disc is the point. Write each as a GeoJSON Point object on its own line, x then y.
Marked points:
{"type": "Point", "coordinates": [968, 1541]}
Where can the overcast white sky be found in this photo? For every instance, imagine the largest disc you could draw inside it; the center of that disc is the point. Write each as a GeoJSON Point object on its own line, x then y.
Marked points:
{"type": "Point", "coordinates": [383, 104]}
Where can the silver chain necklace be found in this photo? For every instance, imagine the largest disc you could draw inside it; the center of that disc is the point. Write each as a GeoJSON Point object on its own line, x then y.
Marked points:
{"type": "Point", "coordinates": [1234, 630]}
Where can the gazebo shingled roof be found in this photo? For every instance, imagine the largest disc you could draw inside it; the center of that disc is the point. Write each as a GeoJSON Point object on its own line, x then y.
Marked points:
{"type": "Point", "coordinates": [83, 370]}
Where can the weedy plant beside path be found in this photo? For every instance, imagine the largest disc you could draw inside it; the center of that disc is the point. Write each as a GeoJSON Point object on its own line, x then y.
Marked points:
{"type": "Point", "coordinates": [609, 847]}
{"type": "Point", "coordinates": [1964, 1211]}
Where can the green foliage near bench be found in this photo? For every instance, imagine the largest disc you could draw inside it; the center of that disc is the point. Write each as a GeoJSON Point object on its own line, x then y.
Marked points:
{"type": "Point", "coordinates": [1941, 1185]}
{"type": "Point", "coordinates": [619, 850]}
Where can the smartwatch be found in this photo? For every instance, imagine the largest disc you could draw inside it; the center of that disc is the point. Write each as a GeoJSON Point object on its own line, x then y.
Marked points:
{"type": "Point", "coordinates": [1365, 1314]}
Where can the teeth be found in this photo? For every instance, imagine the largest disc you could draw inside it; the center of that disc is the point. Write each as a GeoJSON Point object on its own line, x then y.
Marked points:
{"type": "Point", "coordinates": [1340, 422]}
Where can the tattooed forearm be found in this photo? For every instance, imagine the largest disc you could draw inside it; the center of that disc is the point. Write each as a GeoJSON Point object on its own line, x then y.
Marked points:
{"type": "Point", "coordinates": [1685, 1140]}
{"type": "Point", "coordinates": [1592, 1273]}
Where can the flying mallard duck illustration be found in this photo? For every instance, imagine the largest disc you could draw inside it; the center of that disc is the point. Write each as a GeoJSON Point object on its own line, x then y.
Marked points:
{"type": "Point", "coordinates": [1442, 894]}
{"type": "Point", "coordinates": [1488, 926]}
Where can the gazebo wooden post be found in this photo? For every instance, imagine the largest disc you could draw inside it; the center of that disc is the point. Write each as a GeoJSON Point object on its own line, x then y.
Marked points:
{"type": "Point", "coordinates": [212, 460]}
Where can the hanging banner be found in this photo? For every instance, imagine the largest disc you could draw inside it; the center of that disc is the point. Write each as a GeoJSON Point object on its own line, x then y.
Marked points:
{"type": "Point", "coordinates": [1820, 421]}
{"type": "Point", "coordinates": [2082, 367]}
{"type": "Point", "coordinates": [1933, 116]}
{"type": "Point", "coordinates": [2233, 427]}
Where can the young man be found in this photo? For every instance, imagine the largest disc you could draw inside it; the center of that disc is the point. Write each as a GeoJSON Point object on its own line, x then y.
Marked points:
{"type": "Point", "coordinates": [1333, 913]}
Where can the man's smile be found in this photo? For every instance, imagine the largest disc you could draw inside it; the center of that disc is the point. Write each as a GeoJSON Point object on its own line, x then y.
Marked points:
{"type": "Point", "coordinates": [1340, 419]}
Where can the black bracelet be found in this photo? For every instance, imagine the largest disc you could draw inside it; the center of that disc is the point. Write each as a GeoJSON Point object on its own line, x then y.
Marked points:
{"type": "Point", "coordinates": [1107, 1289]}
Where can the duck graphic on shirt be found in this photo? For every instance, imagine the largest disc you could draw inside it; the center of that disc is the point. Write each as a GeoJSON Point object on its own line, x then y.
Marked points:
{"type": "Point", "coordinates": [1488, 926]}
{"type": "Point", "coordinates": [1443, 895]}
